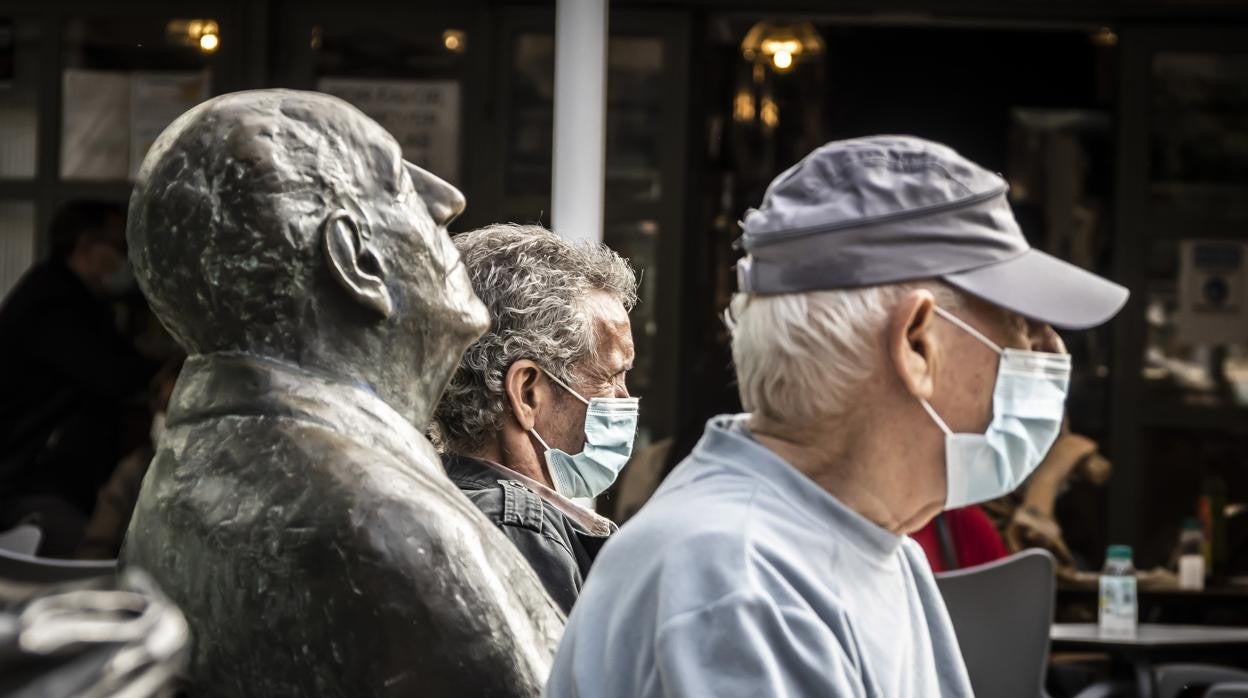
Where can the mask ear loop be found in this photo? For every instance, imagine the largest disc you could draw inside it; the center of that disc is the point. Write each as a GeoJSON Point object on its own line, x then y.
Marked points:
{"type": "Point", "coordinates": [565, 386]}
{"type": "Point", "coordinates": [540, 440]}
{"type": "Point", "coordinates": [554, 474]}
{"type": "Point", "coordinates": [935, 417]}
{"type": "Point", "coordinates": [967, 327]}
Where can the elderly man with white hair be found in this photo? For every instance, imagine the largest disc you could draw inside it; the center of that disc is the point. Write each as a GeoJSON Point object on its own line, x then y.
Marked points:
{"type": "Point", "coordinates": [893, 343]}
{"type": "Point", "coordinates": [538, 413]}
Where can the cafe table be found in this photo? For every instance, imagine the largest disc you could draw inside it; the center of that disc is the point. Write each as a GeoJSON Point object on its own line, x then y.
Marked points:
{"type": "Point", "coordinates": [1150, 644]}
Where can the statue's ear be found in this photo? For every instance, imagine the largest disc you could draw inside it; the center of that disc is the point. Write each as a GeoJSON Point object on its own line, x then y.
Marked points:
{"type": "Point", "coordinates": [355, 263]}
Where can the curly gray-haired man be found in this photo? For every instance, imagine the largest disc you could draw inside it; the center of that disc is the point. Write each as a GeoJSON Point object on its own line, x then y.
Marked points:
{"type": "Point", "coordinates": [538, 412]}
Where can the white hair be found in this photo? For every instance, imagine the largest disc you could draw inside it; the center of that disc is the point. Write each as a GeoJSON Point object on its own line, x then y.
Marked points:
{"type": "Point", "coordinates": [801, 357]}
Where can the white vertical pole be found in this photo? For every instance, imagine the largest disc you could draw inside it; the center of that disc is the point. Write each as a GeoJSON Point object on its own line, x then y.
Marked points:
{"type": "Point", "coordinates": [580, 119]}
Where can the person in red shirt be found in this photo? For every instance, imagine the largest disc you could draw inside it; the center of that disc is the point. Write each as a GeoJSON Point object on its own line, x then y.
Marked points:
{"type": "Point", "coordinates": [960, 538]}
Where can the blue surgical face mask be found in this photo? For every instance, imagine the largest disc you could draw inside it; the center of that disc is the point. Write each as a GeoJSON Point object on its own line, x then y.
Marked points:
{"type": "Point", "coordinates": [1028, 403]}
{"type": "Point", "coordinates": [610, 425]}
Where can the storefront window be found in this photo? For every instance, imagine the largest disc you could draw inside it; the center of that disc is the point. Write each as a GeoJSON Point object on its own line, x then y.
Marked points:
{"type": "Point", "coordinates": [634, 78]}
{"type": "Point", "coordinates": [1197, 319]}
{"type": "Point", "coordinates": [408, 83]}
{"type": "Point", "coordinates": [19, 45]}
{"type": "Point", "coordinates": [1199, 133]}
{"type": "Point", "coordinates": [17, 242]}
{"type": "Point", "coordinates": [1059, 168]}
{"type": "Point", "coordinates": [124, 81]}
{"type": "Point", "coordinates": [638, 241]}
{"type": "Point", "coordinates": [635, 66]}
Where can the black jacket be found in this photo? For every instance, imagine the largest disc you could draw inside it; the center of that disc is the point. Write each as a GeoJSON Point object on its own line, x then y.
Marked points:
{"type": "Point", "coordinates": [558, 548]}
{"type": "Point", "coordinates": [65, 373]}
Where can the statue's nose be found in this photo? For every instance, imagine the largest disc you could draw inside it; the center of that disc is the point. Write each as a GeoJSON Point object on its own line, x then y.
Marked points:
{"type": "Point", "coordinates": [445, 202]}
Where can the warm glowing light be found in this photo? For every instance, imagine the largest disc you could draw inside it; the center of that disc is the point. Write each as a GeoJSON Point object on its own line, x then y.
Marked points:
{"type": "Point", "coordinates": [772, 47]}
{"type": "Point", "coordinates": [1105, 37]}
{"type": "Point", "coordinates": [770, 113]}
{"type": "Point", "coordinates": [203, 34]}
{"type": "Point", "coordinates": [782, 46]}
{"type": "Point", "coordinates": [782, 52]}
{"type": "Point", "coordinates": [743, 107]}
{"type": "Point", "coordinates": [454, 40]}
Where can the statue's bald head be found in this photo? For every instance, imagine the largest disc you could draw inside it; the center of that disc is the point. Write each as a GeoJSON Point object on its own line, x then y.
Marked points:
{"type": "Point", "coordinates": [287, 224]}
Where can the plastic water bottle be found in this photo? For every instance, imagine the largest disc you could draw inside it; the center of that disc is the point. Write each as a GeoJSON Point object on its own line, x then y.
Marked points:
{"type": "Point", "coordinates": [1191, 556]}
{"type": "Point", "coordinates": [1118, 608]}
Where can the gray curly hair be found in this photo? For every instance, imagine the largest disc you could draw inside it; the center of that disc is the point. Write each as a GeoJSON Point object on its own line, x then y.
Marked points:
{"type": "Point", "coordinates": [535, 285]}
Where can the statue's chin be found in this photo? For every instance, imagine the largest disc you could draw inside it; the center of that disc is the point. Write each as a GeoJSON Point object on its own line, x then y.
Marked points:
{"type": "Point", "coordinates": [468, 319]}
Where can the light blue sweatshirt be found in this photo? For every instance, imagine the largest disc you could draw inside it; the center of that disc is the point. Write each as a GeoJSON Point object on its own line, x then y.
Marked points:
{"type": "Point", "coordinates": [742, 577]}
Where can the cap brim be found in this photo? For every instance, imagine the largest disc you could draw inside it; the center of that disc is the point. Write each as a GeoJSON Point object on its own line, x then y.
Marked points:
{"type": "Point", "coordinates": [1044, 288]}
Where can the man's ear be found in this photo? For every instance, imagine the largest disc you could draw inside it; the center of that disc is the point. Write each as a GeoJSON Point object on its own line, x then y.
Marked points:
{"type": "Point", "coordinates": [912, 347]}
{"type": "Point", "coordinates": [525, 391]}
{"type": "Point", "coordinates": [354, 262]}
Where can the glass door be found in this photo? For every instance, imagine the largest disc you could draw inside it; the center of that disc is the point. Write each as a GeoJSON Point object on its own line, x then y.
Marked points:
{"type": "Point", "coordinates": [645, 164]}
{"type": "Point", "coordinates": [1180, 442]}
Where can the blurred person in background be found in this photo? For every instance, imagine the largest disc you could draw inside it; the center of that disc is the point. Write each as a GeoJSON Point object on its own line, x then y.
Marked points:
{"type": "Point", "coordinates": [538, 412]}
{"type": "Point", "coordinates": [65, 375]}
{"type": "Point", "coordinates": [960, 538]}
{"type": "Point", "coordinates": [115, 502]}
{"type": "Point", "coordinates": [1029, 516]}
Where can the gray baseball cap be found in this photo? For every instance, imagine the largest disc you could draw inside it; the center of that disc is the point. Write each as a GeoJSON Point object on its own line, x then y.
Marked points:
{"type": "Point", "coordinates": [890, 209]}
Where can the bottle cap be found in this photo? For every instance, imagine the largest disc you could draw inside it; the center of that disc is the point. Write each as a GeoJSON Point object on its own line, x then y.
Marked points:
{"type": "Point", "coordinates": [1119, 552]}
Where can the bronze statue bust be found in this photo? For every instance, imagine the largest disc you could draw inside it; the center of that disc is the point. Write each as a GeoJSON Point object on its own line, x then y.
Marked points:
{"type": "Point", "coordinates": [296, 512]}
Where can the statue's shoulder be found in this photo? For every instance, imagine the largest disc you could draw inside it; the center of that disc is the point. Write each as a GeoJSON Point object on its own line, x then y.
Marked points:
{"type": "Point", "coordinates": [324, 487]}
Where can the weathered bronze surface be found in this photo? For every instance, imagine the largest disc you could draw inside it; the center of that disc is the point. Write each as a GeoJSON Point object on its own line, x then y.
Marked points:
{"type": "Point", "coordinates": [105, 637]}
{"type": "Point", "coordinates": [295, 513]}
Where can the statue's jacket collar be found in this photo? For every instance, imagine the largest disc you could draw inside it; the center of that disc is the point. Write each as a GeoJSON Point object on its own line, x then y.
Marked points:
{"type": "Point", "coordinates": [236, 384]}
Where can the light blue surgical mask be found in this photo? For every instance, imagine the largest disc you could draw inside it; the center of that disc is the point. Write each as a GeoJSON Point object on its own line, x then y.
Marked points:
{"type": "Point", "coordinates": [1028, 403]}
{"type": "Point", "coordinates": [610, 425]}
